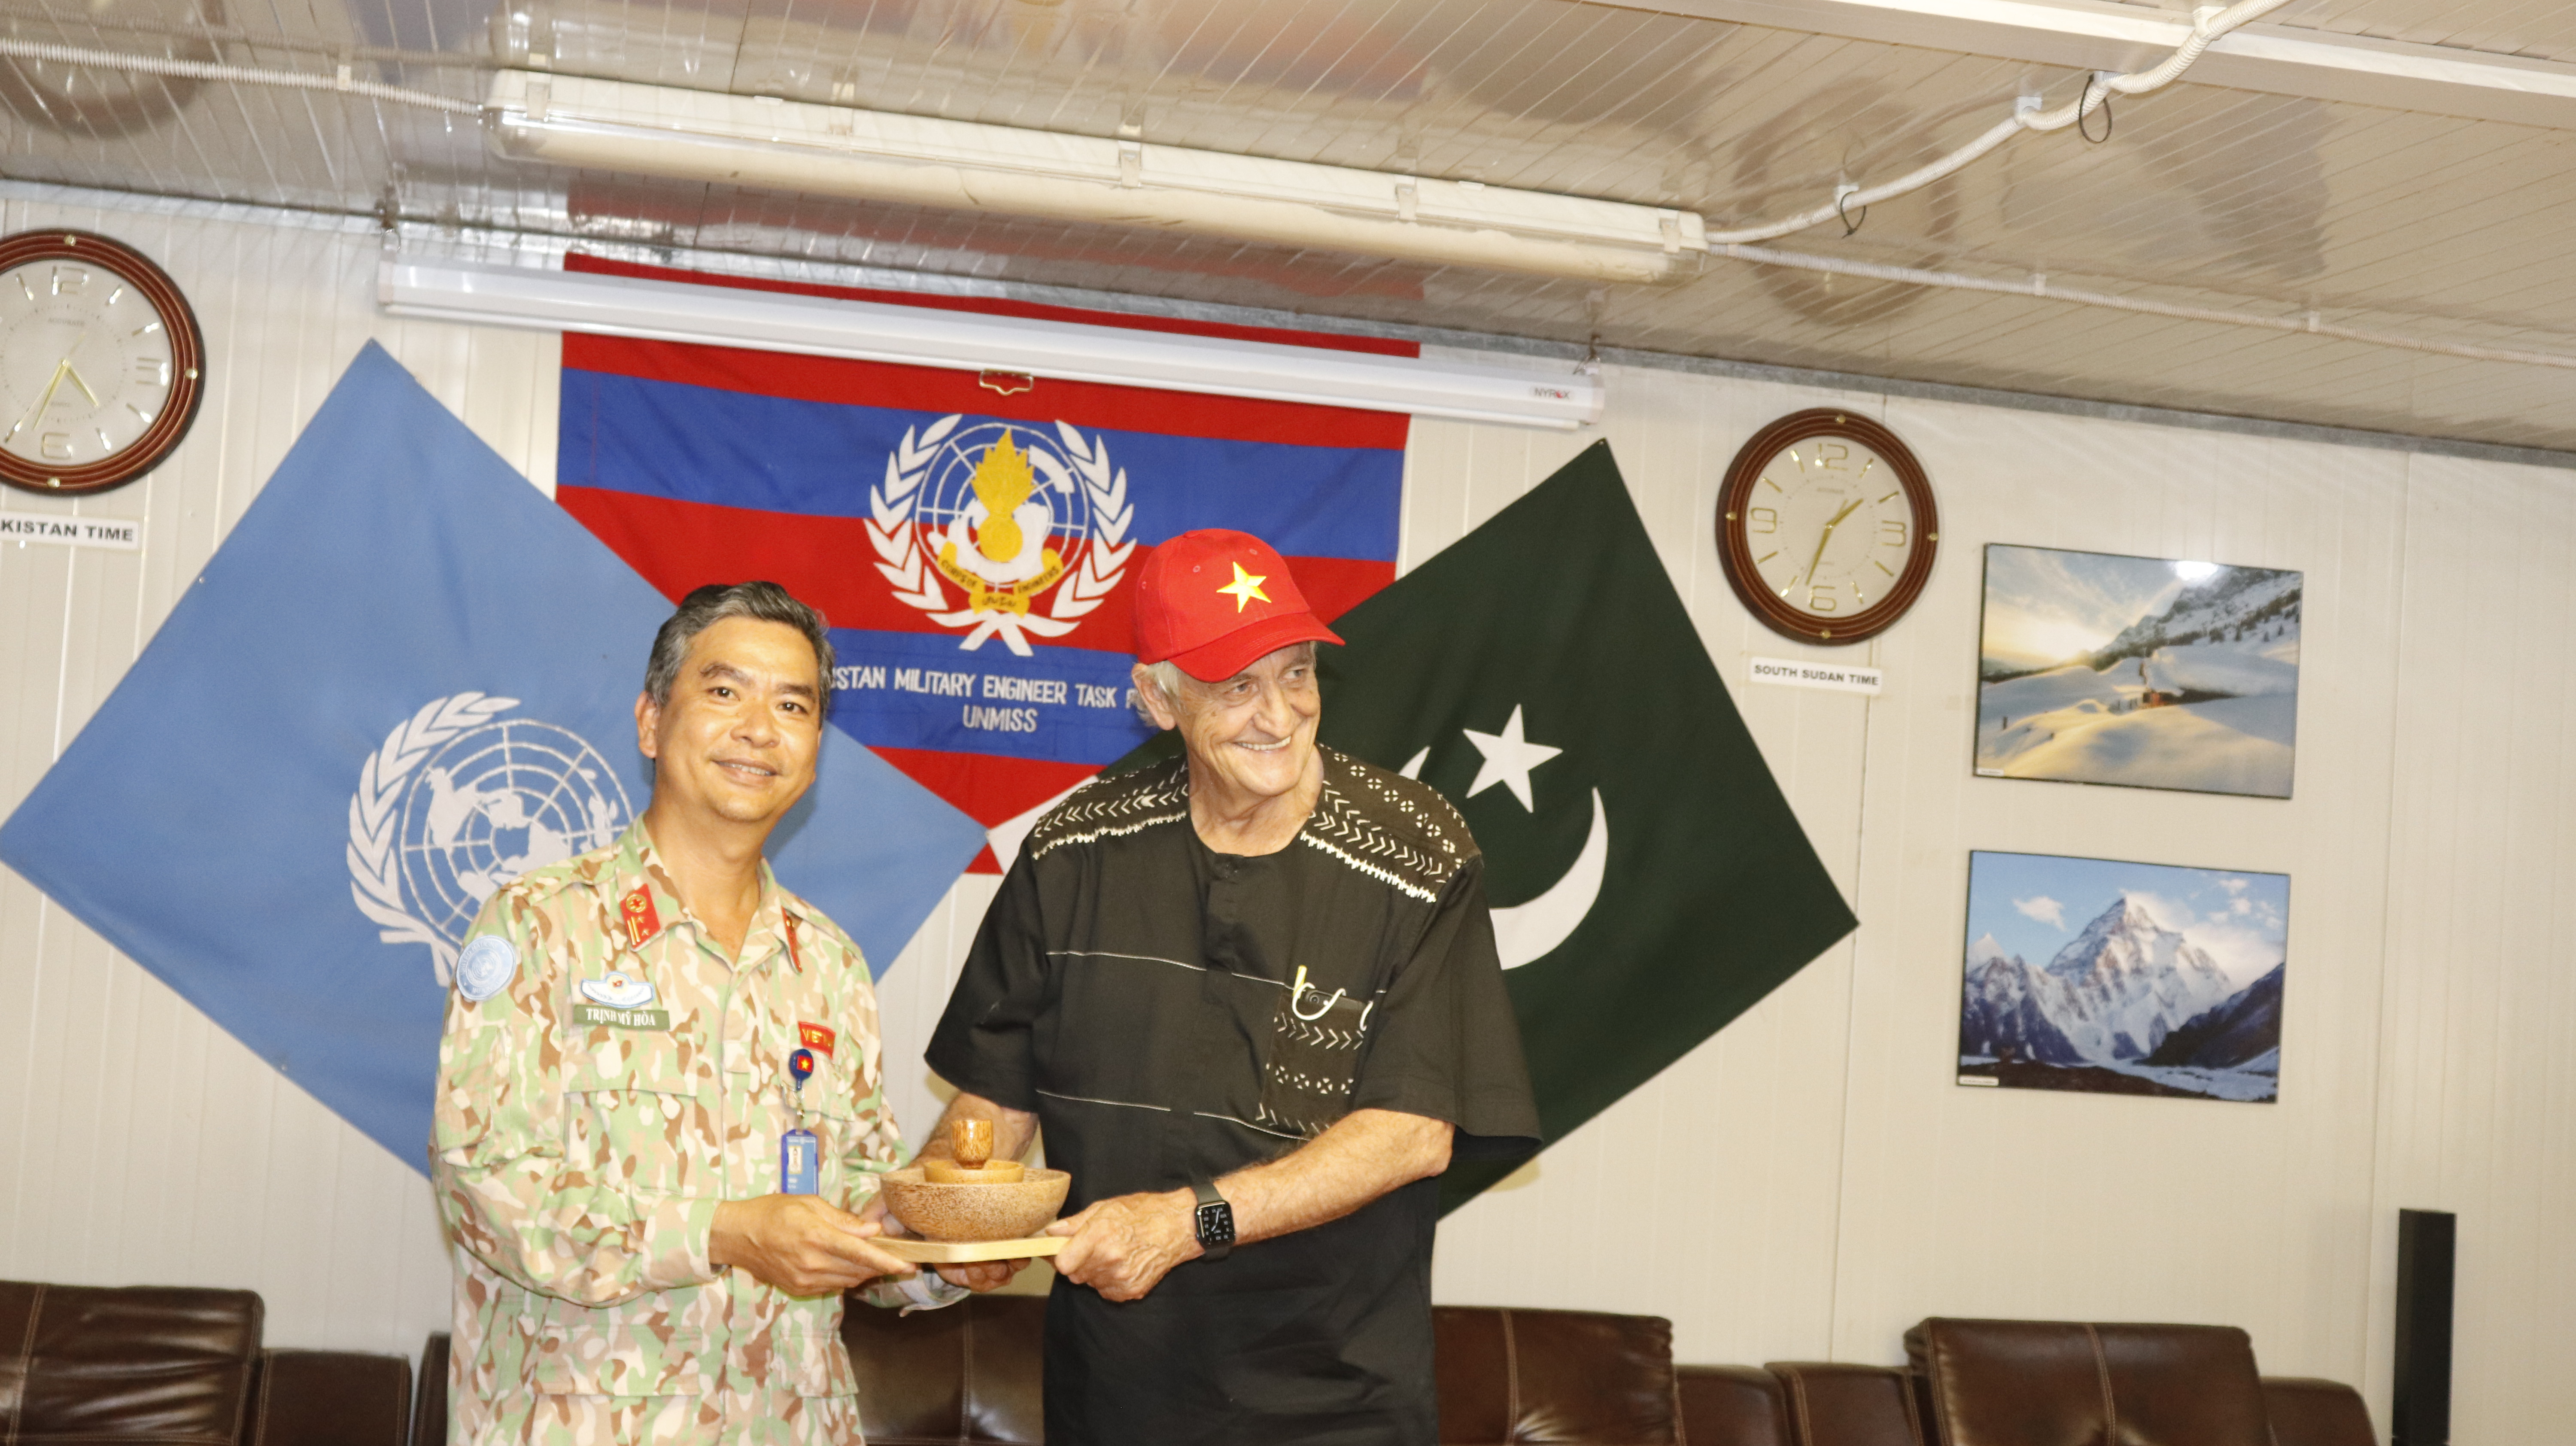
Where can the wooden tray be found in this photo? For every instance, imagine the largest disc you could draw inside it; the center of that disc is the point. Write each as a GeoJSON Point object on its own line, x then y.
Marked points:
{"type": "Point", "coordinates": [960, 1252]}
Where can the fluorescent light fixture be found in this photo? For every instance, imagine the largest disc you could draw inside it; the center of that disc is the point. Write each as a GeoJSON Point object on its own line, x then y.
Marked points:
{"type": "Point", "coordinates": [766, 143]}
{"type": "Point", "coordinates": [966, 341]}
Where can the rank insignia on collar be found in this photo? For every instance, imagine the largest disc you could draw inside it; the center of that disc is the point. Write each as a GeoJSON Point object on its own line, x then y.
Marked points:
{"type": "Point", "coordinates": [793, 957]}
{"type": "Point", "coordinates": [642, 920]}
{"type": "Point", "coordinates": [816, 1037]}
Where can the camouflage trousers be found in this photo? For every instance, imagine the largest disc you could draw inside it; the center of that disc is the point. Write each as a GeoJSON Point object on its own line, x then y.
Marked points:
{"type": "Point", "coordinates": [734, 1418]}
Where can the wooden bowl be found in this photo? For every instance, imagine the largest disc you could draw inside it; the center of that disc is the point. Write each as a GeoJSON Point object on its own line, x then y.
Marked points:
{"type": "Point", "coordinates": [991, 1211]}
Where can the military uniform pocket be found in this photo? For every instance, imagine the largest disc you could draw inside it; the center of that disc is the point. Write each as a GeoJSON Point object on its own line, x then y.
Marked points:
{"type": "Point", "coordinates": [839, 1129]}
{"type": "Point", "coordinates": [623, 1361]}
{"type": "Point", "coordinates": [811, 1363]}
{"type": "Point", "coordinates": [636, 1120]}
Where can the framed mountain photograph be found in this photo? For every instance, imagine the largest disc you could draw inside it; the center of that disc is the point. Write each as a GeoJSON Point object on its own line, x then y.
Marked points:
{"type": "Point", "coordinates": [2123, 978]}
{"type": "Point", "coordinates": [2093, 667]}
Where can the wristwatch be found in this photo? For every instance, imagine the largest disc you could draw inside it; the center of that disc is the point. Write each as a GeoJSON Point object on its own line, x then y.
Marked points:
{"type": "Point", "coordinates": [1214, 1219]}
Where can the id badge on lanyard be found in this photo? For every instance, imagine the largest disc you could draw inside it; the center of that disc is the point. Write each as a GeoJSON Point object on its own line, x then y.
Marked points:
{"type": "Point", "coordinates": [800, 1155]}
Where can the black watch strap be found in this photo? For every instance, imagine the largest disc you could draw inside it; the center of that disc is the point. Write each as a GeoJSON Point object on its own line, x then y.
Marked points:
{"type": "Point", "coordinates": [1213, 1220]}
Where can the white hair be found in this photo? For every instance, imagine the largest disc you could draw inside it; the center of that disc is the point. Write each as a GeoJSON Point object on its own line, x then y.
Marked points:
{"type": "Point", "coordinates": [1169, 680]}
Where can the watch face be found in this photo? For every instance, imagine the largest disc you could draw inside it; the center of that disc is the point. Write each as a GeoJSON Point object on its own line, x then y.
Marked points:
{"type": "Point", "coordinates": [99, 363]}
{"type": "Point", "coordinates": [1216, 1223]}
{"type": "Point", "coordinates": [1830, 527]}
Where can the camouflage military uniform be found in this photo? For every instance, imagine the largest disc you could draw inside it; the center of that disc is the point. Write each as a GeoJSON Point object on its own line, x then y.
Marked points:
{"type": "Point", "coordinates": [581, 1149]}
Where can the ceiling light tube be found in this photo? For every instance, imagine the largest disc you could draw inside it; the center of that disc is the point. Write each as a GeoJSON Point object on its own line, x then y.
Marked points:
{"type": "Point", "coordinates": [771, 144]}
{"type": "Point", "coordinates": [916, 336]}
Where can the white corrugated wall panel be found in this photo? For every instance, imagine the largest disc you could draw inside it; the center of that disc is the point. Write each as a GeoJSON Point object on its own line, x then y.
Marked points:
{"type": "Point", "coordinates": [1804, 1185]}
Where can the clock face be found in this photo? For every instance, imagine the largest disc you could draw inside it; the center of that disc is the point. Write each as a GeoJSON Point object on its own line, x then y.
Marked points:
{"type": "Point", "coordinates": [1826, 526]}
{"type": "Point", "coordinates": [98, 363]}
{"type": "Point", "coordinates": [1830, 526]}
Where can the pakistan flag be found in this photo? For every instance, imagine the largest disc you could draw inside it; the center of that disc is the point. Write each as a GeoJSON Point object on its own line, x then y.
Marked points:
{"type": "Point", "coordinates": [1648, 881]}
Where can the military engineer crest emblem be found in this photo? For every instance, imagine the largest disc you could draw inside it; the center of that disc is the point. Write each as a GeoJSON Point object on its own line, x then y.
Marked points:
{"type": "Point", "coordinates": [1000, 528]}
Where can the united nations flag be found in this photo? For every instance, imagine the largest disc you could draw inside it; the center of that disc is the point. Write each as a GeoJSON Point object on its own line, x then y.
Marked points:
{"type": "Point", "coordinates": [405, 679]}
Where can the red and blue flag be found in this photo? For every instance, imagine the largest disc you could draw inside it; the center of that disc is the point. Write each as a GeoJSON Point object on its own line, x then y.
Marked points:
{"type": "Point", "coordinates": [972, 538]}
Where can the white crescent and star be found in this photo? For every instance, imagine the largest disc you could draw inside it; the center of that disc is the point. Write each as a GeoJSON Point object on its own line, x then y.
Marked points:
{"type": "Point", "coordinates": [1531, 930]}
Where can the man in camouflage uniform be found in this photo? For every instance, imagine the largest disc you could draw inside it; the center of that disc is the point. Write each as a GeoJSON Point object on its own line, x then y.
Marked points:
{"type": "Point", "coordinates": [614, 1083]}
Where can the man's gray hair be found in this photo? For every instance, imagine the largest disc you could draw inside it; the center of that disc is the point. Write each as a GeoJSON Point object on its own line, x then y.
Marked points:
{"type": "Point", "coordinates": [1170, 680]}
{"type": "Point", "coordinates": [707, 606]}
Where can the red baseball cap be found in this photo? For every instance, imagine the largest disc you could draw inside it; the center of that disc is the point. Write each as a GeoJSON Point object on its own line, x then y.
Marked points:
{"type": "Point", "coordinates": [1213, 601]}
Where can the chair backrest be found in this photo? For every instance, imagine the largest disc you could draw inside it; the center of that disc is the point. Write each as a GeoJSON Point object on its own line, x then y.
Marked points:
{"type": "Point", "coordinates": [1554, 1375]}
{"type": "Point", "coordinates": [330, 1398]}
{"type": "Point", "coordinates": [1732, 1406]}
{"type": "Point", "coordinates": [86, 1364]}
{"type": "Point", "coordinates": [2309, 1412]}
{"type": "Point", "coordinates": [968, 1373]}
{"type": "Point", "coordinates": [1832, 1404]}
{"type": "Point", "coordinates": [2072, 1383]}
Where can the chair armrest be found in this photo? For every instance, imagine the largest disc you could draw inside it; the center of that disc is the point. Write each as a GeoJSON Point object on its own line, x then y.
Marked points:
{"type": "Point", "coordinates": [330, 1398]}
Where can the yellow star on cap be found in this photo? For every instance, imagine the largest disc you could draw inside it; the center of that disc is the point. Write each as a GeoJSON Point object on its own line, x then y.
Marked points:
{"type": "Point", "coordinates": [1245, 587]}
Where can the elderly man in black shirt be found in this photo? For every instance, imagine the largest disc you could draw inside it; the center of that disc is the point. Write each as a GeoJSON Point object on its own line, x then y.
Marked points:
{"type": "Point", "coordinates": [1253, 999]}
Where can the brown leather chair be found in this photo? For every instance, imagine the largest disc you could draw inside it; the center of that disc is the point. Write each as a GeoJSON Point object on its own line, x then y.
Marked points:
{"type": "Point", "coordinates": [429, 1402]}
{"type": "Point", "coordinates": [1732, 1406]}
{"type": "Point", "coordinates": [1831, 1404]}
{"type": "Point", "coordinates": [971, 1373]}
{"type": "Point", "coordinates": [968, 1373]}
{"type": "Point", "coordinates": [330, 1398]}
{"type": "Point", "coordinates": [85, 1364]}
{"type": "Point", "coordinates": [2316, 1413]}
{"type": "Point", "coordinates": [2045, 1383]}
{"type": "Point", "coordinates": [175, 1366]}
{"type": "Point", "coordinates": [1510, 1376]}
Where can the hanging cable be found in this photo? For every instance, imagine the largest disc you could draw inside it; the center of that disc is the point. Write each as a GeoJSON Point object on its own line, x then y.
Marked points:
{"type": "Point", "coordinates": [343, 82]}
{"type": "Point", "coordinates": [2207, 25]}
{"type": "Point", "coordinates": [2106, 114]}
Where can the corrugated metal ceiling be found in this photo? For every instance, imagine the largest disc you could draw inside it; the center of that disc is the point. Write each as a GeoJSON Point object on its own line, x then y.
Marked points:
{"type": "Point", "coordinates": [2399, 220]}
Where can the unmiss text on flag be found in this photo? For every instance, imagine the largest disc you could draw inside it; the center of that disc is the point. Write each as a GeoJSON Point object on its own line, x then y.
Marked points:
{"type": "Point", "coordinates": [404, 679]}
{"type": "Point", "coordinates": [972, 539]}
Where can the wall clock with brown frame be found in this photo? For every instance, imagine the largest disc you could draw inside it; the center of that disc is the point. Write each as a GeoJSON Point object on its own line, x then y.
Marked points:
{"type": "Point", "coordinates": [101, 363]}
{"type": "Point", "coordinates": [1826, 527]}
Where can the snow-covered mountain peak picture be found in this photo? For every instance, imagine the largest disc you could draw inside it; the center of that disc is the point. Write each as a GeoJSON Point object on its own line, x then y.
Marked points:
{"type": "Point", "coordinates": [2158, 979]}
{"type": "Point", "coordinates": [2095, 667]}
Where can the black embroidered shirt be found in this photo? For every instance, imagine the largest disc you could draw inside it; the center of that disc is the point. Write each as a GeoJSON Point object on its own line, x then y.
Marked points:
{"type": "Point", "coordinates": [1169, 1011]}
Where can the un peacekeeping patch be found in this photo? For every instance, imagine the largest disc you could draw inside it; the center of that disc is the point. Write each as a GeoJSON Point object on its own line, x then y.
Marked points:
{"type": "Point", "coordinates": [486, 967]}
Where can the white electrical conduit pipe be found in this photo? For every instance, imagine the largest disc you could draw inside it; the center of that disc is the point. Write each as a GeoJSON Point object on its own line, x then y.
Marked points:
{"type": "Point", "coordinates": [2207, 24]}
{"type": "Point", "coordinates": [1728, 244]}
{"type": "Point", "coordinates": [343, 82]}
{"type": "Point", "coordinates": [2038, 286]}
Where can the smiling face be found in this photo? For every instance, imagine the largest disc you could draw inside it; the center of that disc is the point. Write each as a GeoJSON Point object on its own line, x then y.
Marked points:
{"type": "Point", "coordinates": [1250, 738]}
{"type": "Point", "coordinates": [736, 740]}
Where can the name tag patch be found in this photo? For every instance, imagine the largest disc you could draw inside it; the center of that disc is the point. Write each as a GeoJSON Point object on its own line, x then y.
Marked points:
{"type": "Point", "coordinates": [591, 1015]}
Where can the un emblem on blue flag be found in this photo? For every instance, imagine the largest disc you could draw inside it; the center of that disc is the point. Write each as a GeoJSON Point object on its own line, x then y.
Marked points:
{"type": "Point", "coordinates": [459, 802]}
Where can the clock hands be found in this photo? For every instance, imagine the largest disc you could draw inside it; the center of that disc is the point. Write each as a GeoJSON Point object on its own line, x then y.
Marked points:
{"type": "Point", "coordinates": [1826, 537]}
{"type": "Point", "coordinates": [62, 369]}
{"type": "Point", "coordinates": [73, 373]}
